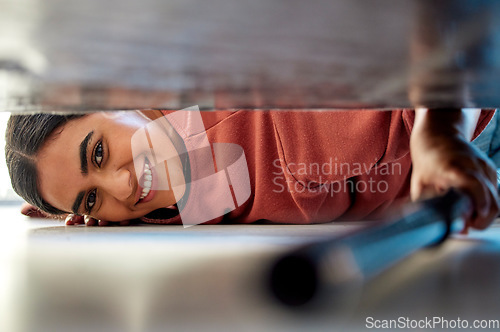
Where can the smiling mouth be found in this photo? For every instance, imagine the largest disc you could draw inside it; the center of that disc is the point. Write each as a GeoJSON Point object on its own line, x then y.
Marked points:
{"type": "Point", "coordinates": [146, 182]}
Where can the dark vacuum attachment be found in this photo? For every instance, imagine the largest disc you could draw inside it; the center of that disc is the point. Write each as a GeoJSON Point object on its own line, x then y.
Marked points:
{"type": "Point", "coordinates": [328, 268]}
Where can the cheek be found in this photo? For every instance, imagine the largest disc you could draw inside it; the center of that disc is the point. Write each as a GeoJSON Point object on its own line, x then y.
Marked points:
{"type": "Point", "coordinates": [111, 212]}
{"type": "Point", "coordinates": [163, 199]}
{"type": "Point", "coordinates": [119, 148]}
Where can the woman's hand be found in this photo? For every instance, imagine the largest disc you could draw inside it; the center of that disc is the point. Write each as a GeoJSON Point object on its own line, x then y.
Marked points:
{"type": "Point", "coordinates": [73, 219]}
{"type": "Point", "coordinates": [443, 158]}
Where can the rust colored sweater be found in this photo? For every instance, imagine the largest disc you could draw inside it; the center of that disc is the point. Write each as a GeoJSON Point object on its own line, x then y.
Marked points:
{"type": "Point", "coordinates": [316, 166]}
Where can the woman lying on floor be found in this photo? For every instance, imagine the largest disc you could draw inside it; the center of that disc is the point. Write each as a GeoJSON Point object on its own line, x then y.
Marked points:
{"type": "Point", "coordinates": [196, 167]}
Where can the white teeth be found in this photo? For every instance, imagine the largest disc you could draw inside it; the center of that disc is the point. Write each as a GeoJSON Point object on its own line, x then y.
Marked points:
{"type": "Point", "coordinates": [148, 177]}
{"type": "Point", "coordinates": [145, 192]}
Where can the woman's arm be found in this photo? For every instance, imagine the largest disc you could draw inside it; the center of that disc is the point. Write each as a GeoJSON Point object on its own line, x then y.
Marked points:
{"type": "Point", "coordinates": [443, 157]}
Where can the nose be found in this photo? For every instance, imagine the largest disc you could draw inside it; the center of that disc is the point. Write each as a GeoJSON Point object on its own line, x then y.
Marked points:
{"type": "Point", "coordinates": [116, 183]}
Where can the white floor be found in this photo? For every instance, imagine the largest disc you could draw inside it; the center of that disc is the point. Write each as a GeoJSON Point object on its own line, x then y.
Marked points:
{"type": "Point", "coordinates": [159, 278]}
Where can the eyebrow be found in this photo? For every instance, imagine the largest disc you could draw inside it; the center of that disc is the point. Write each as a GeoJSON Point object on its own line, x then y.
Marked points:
{"type": "Point", "coordinates": [83, 153]}
{"type": "Point", "coordinates": [83, 168]}
{"type": "Point", "coordinates": [78, 201]}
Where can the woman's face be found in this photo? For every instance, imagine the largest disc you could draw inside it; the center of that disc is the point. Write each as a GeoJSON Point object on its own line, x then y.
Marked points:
{"type": "Point", "coordinates": [87, 167]}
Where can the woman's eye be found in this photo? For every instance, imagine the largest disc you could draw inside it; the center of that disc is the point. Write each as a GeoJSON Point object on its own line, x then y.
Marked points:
{"type": "Point", "coordinates": [91, 199]}
{"type": "Point", "coordinates": [98, 154]}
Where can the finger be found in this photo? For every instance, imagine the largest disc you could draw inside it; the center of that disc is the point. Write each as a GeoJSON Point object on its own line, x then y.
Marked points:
{"type": "Point", "coordinates": [480, 203]}
{"type": "Point", "coordinates": [74, 219]}
{"type": "Point", "coordinates": [78, 220]}
{"type": "Point", "coordinates": [103, 223]}
{"type": "Point", "coordinates": [483, 222]}
{"type": "Point", "coordinates": [69, 220]}
{"type": "Point", "coordinates": [489, 170]}
{"type": "Point", "coordinates": [475, 185]}
{"type": "Point", "coordinates": [425, 192]}
{"type": "Point", "coordinates": [480, 213]}
{"type": "Point", "coordinates": [124, 223]}
{"type": "Point", "coordinates": [89, 221]}
{"type": "Point", "coordinates": [416, 188]}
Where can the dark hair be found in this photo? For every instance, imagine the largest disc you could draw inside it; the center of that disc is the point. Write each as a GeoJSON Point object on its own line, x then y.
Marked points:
{"type": "Point", "coordinates": [24, 137]}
